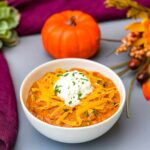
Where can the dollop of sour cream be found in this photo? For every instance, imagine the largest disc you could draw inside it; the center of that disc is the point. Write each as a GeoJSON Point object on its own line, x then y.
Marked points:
{"type": "Point", "coordinates": [72, 86]}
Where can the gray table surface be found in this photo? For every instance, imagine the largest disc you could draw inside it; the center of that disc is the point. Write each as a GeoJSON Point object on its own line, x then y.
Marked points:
{"type": "Point", "coordinates": [133, 133]}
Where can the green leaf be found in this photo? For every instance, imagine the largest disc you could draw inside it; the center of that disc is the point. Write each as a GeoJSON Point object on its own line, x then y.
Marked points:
{"type": "Point", "coordinates": [2, 32]}
{"type": "Point", "coordinates": [3, 3]}
{"type": "Point", "coordinates": [95, 112]}
{"type": "Point", "coordinates": [14, 18]}
{"type": "Point", "coordinates": [5, 12]}
{"type": "Point", "coordinates": [12, 41]}
{"type": "Point", "coordinates": [11, 23]}
{"type": "Point", "coordinates": [1, 44]}
{"type": "Point", "coordinates": [3, 25]}
{"type": "Point", "coordinates": [5, 35]}
{"type": "Point", "coordinates": [86, 113]}
{"type": "Point", "coordinates": [9, 18]}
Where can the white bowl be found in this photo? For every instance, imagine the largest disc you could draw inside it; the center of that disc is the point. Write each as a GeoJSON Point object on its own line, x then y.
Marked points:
{"type": "Point", "coordinates": [78, 134]}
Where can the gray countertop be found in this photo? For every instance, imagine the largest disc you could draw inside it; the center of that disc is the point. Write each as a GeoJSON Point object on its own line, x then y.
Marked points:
{"type": "Point", "coordinates": [133, 133]}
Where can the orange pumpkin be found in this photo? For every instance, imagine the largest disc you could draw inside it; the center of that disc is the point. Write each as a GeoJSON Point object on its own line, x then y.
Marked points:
{"type": "Point", "coordinates": [71, 34]}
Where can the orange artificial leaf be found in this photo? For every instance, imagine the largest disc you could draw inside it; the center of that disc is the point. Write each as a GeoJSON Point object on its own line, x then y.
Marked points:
{"type": "Point", "coordinates": [146, 36]}
{"type": "Point", "coordinates": [143, 15]}
{"type": "Point", "coordinates": [146, 89]}
{"type": "Point", "coordinates": [139, 42]}
{"type": "Point", "coordinates": [144, 28]}
{"type": "Point", "coordinates": [135, 27]}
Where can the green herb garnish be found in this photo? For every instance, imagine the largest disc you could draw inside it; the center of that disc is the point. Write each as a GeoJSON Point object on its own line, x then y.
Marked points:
{"type": "Point", "coordinates": [65, 109]}
{"type": "Point", "coordinates": [66, 74]}
{"type": "Point", "coordinates": [95, 112]}
{"type": "Point", "coordinates": [57, 90]}
{"type": "Point", "coordinates": [59, 75]}
{"type": "Point", "coordinates": [70, 102]}
{"type": "Point", "coordinates": [86, 113]}
{"type": "Point", "coordinates": [73, 82]}
{"type": "Point", "coordinates": [81, 73]}
{"type": "Point", "coordinates": [79, 95]}
{"type": "Point", "coordinates": [84, 79]}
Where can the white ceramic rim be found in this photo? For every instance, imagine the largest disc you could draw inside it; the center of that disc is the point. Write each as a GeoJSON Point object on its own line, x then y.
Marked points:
{"type": "Point", "coordinates": [73, 128]}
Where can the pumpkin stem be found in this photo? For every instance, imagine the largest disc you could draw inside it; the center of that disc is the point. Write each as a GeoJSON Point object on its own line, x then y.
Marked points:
{"type": "Point", "coordinates": [71, 21]}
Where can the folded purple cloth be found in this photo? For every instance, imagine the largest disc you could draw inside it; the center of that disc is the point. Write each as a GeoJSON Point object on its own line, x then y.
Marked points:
{"type": "Point", "coordinates": [8, 108]}
{"type": "Point", "coordinates": [35, 12]}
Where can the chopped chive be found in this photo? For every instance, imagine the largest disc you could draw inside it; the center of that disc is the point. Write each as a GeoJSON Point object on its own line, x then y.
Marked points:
{"type": "Point", "coordinates": [66, 74]}
{"type": "Point", "coordinates": [73, 82]}
{"type": "Point", "coordinates": [70, 102]}
{"type": "Point", "coordinates": [82, 82]}
{"type": "Point", "coordinates": [95, 112]}
{"type": "Point", "coordinates": [65, 109]}
{"type": "Point", "coordinates": [56, 86]}
{"type": "Point", "coordinates": [84, 79]}
{"type": "Point", "coordinates": [57, 90]}
{"type": "Point", "coordinates": [86, 113]}
{"type": "Point", "coordinates": [79, 95]}
{"type": "Point", "coordinates": [59, 75]}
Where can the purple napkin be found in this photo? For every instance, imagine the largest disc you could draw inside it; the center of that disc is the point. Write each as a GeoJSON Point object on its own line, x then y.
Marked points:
{"type": "Point", "coordinates": [35, 12]}
{"type": "Point", "coordinates": [8, 108]}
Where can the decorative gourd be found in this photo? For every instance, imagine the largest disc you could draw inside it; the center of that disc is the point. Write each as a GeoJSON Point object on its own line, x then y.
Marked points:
{"type": "Point", "coordinates": [71, 34]}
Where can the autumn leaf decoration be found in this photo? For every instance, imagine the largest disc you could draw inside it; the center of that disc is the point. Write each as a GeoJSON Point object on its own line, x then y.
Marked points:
{"type": "Point", "coordinates": [137, 44]}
